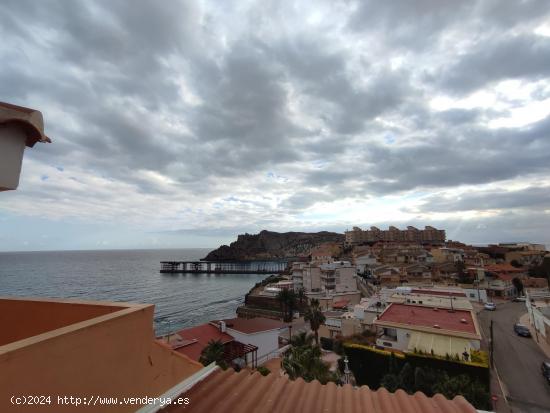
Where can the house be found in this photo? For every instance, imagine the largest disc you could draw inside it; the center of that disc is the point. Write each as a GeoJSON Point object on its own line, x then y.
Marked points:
{"type": "Point", "coordinates": [192, 341]}
{"type": "Point", "coordinates": [435, 298]}
{"type": "Point", "coordinates": [416, 273]}
{"type": "Point", "coordinates": [260, 332]}
{"type": "Point", "coordinates": [501, 286]}
{"type": "Point", "coordinates": [496, 269]}
{"type": "Point", "coordinates": [387, 275]}
{"type": "Point", "coordinates": [447, 254]}
{"type": "Point", "coordinates": [444, 271]}
{"type": "Point", "coordinates": [474, 258]}
{"type": "Point", "coordinates": [338, 277]}
{"type": "Point", "coordinates": [83, 348]}
{"type": "Point", "coordinates": [365, 261]}
{"type": "Point", "coordinates": [442, 332]}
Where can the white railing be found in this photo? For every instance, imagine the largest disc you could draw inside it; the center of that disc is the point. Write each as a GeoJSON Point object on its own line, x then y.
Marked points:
{"type": "Point", "coordinates": [273, 354]}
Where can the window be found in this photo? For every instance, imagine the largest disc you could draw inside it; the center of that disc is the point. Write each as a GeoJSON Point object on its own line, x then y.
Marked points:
{"type": "Point", "coordinates": [390, 333]}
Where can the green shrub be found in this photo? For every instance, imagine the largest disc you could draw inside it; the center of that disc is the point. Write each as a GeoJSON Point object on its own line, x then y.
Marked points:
{"type": "Point", "coordinates": [264, 371]}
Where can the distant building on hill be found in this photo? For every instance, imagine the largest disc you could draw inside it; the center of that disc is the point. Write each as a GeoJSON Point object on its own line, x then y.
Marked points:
{"type": "Point", "coordinates": [411, 234]}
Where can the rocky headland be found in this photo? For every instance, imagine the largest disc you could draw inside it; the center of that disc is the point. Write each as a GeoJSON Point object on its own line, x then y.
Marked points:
{"type": "Point", "coordinates": [268, 245]}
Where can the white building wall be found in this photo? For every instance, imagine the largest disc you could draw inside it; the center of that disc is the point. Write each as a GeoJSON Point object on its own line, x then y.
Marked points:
{"type": "Point", "coordinates": [266, 341]}
{"type": "Point", "coordinates": [345, 279]}
{"type": "Point", "coordinates": [402, 343]}
{"type": "Point", "coordinates": [539, 321]}
{"type": "Point", "coordinates": [472, 294]}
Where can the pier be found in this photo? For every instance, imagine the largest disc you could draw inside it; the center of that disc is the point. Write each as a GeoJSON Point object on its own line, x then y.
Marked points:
{"type": "Point", "coordinates": [215, 267]}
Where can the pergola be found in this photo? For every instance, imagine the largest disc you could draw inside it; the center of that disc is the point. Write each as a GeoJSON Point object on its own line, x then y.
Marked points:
{"type": "Point", "coordinates": [236, 349]}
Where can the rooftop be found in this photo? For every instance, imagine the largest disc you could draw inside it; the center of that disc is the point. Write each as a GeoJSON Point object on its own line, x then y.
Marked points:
{"type": "Point", "coordinates": [438, 292]}
{"type": "Point", "coordinates": [419, 316]}
{"type": "Point", "coordinates": [226, 391]}
{"type": "Point", "coordinates": [252, 325]}
{"type": "Point", "coordinates": [498, 268]}
{"type": "Point", "coordinates": [195, 339]}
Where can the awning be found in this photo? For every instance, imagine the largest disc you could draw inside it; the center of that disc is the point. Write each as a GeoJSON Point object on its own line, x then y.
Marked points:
{"type": "Point", "coordinates": [439, 344]}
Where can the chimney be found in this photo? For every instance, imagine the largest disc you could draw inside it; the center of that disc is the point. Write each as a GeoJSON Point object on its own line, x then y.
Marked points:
{"type": "Point", "coordinates": [222, 326]}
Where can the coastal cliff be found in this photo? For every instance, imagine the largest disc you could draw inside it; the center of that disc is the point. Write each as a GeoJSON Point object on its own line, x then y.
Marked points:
{"type": "Point", "coordinates": [272, 245]}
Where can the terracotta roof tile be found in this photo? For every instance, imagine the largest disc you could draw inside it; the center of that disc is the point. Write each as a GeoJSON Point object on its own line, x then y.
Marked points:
{"type": "Point", "coordinates": [243, 392]}
{"type": "Point", "coordinates": [199, 337]}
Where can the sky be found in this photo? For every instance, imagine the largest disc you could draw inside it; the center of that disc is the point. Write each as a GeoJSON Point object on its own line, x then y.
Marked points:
{"type": "Point", "coordinates": [178, 124]}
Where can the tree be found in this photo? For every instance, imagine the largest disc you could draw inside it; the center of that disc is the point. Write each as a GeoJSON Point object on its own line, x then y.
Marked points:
{"type": "Point", "coordinates": [315, 317]}
{"type": "Point", "coordinates": [302, 339]}
{"type": "Point", "coordinates": [306, 362]}
{"type": "Point", "coordinates": [287, 298]}
{"type": "Point", "coordinates": [518, 284]}
{"type": "Point", "coordinates": [301, 296]}
{"type": "Point", "coordinates": [213, 352]}
{"type": "Point", "coordinates": [462, 275]}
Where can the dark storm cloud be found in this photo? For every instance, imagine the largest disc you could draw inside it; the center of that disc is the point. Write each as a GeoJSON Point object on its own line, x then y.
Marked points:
{"type": "Point", "coordinates": [204, 100]}
{"type": "Point", "coordinates": [413, 24]}
{"type": "Point", "coordinates": [445, 161]}
{"type": "Point", "coordinates": [498, 58]}
{"type": "Point", "coordinates": [537, 198]}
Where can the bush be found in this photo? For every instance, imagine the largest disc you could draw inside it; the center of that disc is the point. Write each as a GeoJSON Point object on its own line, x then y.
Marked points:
{"type": "Point", "coordinates": [326, 343]}
{"type": "Point", "coordinates": [264, 371]}
{"type": "Point", "coordinates": [369, 365]}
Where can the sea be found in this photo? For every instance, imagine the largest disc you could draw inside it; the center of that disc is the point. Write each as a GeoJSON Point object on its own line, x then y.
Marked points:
{"type": "Point", "coordinates": [181, 300]}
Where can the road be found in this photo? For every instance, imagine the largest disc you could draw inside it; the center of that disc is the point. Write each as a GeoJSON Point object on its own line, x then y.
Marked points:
{"type": "Point", "coordinates": [517, 360]}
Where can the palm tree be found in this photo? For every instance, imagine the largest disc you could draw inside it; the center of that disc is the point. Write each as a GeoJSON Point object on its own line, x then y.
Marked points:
{"type": "Point", "coordinates": [301, 295]}
{"type": "Point", "coordinates": [315, 317]}
{"type": "Point", "coordinates": [306, 362]}
{"type": "Point", "coordinates": [301, 340]}
{"type": "Point", "coordinates": [287, 298]}
{"type": "Point", "coordinates": [213, 352]}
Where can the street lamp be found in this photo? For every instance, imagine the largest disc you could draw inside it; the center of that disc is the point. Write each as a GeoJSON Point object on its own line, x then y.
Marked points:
{"type": "Point", "coordinates": [347, 371]}
{"type": "Point", "coordinates": [19, 127]}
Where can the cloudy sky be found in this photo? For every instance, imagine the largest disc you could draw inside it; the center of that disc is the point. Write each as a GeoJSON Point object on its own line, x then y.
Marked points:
{"type": "Point", "coordinates": [182, 124]}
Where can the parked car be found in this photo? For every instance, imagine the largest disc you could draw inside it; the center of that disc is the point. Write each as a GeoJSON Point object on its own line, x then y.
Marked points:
{"type": "Point", "coordinates": [519, 299]}
{"type": "Point", "coordinates": [522, 330]}
{"type": "Point", "coordinates": [490, 306]}
{"type": "Point", "coordinates": [545, 369]}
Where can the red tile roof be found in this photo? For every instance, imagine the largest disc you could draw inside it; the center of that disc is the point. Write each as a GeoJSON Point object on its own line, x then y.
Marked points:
{"type": "Point", "coordinates": [414, 315]}
{"type": "Point", "coordinates": [198, 338]}
{"type": "Point", "coordinates": [252, 325]}
{"type": "Point", "coordinates": [227, 391]}
{"type": "Point", "coordinates": [505, 277]}
{"type": "Point", "coordinates": [503, 268]}
{"type": "Point", "coordinates": [340, 304]}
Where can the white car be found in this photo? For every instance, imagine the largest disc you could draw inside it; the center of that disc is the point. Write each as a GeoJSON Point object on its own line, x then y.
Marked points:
{"type": "Point", "coordinates": [490, 306]}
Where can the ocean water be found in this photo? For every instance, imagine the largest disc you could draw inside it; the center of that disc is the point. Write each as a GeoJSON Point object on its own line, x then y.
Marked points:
{"type": "Point", "coordinates": [181, 300]}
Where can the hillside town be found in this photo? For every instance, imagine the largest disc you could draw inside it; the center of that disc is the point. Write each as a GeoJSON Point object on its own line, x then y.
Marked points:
{"type": "Point", "coordinates": [408, 298]}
